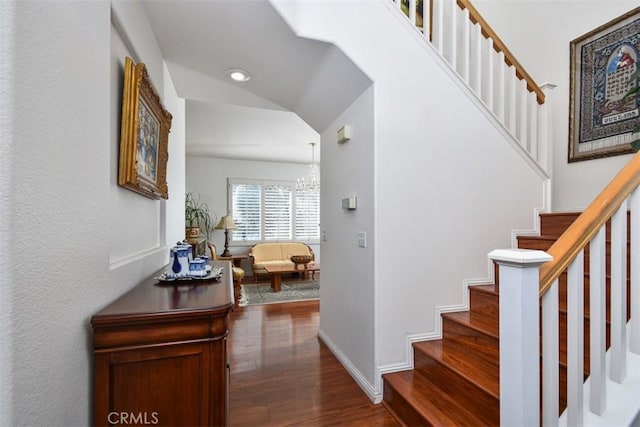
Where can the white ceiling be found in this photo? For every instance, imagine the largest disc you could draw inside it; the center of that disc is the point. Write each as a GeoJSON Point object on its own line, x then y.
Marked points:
{"type": "Point", "coordinates": [298, 86]}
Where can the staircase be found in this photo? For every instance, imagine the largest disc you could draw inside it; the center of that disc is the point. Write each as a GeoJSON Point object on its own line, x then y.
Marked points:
{"type": "Point", "coordinates": [455, 380]}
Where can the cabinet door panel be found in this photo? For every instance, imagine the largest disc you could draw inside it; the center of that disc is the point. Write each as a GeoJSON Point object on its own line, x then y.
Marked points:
{"type": "Point", "coordinates": [165, 386]}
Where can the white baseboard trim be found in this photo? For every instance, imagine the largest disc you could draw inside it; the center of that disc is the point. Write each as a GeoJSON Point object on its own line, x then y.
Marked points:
{"type": "Point", "coordinates": [435, 335]}
{"type": "Point", "coordinates": [369, 390]}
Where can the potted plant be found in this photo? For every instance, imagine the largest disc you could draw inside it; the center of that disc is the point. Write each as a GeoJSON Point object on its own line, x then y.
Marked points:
{"type": "Point", "coordinates": [197, 217]}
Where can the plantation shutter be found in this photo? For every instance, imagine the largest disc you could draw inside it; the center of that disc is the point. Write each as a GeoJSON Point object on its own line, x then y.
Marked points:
{"type": "Point", "coordinates": [246, 199]}
{"type": "Point", "coordinates": [277, 212]}
{"type": "Point", "coordinates": [307, 216]}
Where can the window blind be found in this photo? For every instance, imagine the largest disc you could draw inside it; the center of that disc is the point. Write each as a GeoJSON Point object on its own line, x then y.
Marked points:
{"type": "Point", "coordinates": [272, 211]}
{"type": "Point", "coordinates": [307, 216]}
{"type": "Point", "coordinates": [246, 212]}
{"type": "Point", "coordinates": [277, 212]}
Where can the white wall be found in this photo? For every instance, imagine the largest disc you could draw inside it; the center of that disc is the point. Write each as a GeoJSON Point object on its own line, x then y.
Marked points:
{"type": "Point", "coordinates": [207, 176]}
{"type": "Point", "coordinates": [448, 187]}
{"type": "Point", "coordinates": [538, 33]}
{"type": "Point", "coordinates": [63, 215]}
{"type": "Point", "coordinates": [348, 283]}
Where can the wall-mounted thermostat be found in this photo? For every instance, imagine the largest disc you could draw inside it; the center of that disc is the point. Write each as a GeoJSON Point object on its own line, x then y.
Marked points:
{"type": "Point", "coordinates": [349, 203]}
{"type": "Point", "coordinates": [344, 134]}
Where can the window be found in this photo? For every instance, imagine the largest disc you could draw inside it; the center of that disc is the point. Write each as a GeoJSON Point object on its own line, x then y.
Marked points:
{"type": "Point", "coordinates": [272, 211]}
{"type": "Point", "coordinates": [277, 212]}
{"type": "Point", "coordinates": [307, 216]}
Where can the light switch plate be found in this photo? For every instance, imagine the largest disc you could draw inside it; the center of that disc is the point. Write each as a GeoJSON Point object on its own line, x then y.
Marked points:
{"type": "Point", "coordinates": [362, 239]}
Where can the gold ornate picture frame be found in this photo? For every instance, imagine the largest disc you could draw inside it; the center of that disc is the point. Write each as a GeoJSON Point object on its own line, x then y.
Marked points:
{"type": "Point", "coordinates": [144, 135]}
{"type": "Point", "coordinates": [603, 70]}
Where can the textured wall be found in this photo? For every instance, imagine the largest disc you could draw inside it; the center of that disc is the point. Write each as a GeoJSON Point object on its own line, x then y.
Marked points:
{"type": "Point", "coordinates": [60, 126]}
{"type": "Point", "coordinates": [56, 206]}
{"type": "Point", "coordinates": [7, 17]}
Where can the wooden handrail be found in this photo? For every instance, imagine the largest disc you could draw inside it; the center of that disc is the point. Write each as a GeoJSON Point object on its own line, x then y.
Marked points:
{"type": "Point", "coordinates": [499, 46]}
{"type": "Point", "coordinates": [585, 227]}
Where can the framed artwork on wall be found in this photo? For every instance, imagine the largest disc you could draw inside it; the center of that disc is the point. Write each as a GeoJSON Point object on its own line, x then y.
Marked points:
{"type": "Point", "coordinates": [604, 64]}
{"type": "Point", "coordinates": [144, 135]}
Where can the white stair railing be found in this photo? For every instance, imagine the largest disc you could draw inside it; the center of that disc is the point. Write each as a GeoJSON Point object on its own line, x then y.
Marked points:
{"type": "Point", "coordinates": [610, 394]}
{"type": "Point", "coordinates": [474, 51]}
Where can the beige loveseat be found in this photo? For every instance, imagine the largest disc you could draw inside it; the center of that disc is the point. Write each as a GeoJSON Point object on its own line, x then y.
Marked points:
{"type": "Point", "coordinates": [276, 254]}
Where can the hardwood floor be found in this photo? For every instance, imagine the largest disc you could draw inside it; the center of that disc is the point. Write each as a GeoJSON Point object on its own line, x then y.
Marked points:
{"type": "Point", "coordinates": [283, 375]}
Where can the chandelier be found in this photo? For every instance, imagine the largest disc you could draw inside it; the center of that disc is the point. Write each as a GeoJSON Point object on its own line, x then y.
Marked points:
{"type": "Point", "coordinates": [310, 185]}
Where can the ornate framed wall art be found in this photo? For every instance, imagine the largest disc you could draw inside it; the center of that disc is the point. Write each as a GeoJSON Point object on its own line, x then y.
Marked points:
{"type": "Point", "coordinates": [144, 135]}
{"type": "Point", "coordinates": [603, 70]}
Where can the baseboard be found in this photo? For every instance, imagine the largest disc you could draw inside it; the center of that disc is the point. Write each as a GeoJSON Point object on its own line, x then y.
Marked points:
{"type": "Point", "coordinates": [368, 389]}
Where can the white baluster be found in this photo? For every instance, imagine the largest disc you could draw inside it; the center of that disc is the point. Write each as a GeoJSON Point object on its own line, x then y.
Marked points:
{"type": "Point", "coordinates": [489, 73]}
{"type": "Point", "coordinates": [426, 19]}
{"type": "Point", "coordinates": [545, 129]}
{"type": "Point", "coordinates": [519, 335]}
{"type": "Point", "coordinates": [438, 24]}
{"type": "Point", "coordinates": [465, 50]}
{"type": "Point", "coordinates": [550, 357]}
{"type": "Point", "coordinates": [532, 125]}
{"type": "Point", "coordinates": [597, 315]}
{"type": "Point", "coordinates": [511, 104]}
{"type": "Point", "coordinates": [412, 12]}
{"type": "Point", "coordinates": [477, 63]}
{"type": "Point", "coordinates": [634, 340]}
{"type": "Point", "coordinates": [618, 359]}
{"type": "Point", "coordinates": [575, 341]}
{"type": "Point", "coordinates": [500, 86]}
{"type": "Point", "coordinates": [522, 114]}
{"type": "Point", "coordinates": [453, 33]}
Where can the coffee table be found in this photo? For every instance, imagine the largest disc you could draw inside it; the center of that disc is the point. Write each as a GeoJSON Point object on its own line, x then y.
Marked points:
{"type": "Point", "coordinates": [276, 273]}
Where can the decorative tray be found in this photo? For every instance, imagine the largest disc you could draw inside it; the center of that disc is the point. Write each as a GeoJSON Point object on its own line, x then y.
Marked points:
{"type": "Point", "coordinates": [168, 277]}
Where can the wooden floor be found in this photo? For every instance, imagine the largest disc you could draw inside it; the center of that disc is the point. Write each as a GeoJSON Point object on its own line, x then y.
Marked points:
{"type": "Point", "coordinates": [283, 375]}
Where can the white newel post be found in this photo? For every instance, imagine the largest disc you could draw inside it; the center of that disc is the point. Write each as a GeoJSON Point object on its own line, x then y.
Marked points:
{"type": "Point", "coordinates": [545, 129]}
{"type": "Point", "coordinates": [519, 335]}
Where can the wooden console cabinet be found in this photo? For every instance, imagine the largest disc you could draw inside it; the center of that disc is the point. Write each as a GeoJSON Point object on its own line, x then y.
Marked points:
{"type": "Point", "coordinates": [160, 354]}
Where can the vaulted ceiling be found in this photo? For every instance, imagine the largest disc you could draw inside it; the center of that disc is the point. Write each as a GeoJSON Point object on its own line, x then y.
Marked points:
{"type": "Point", "coordinates": [297, 88]}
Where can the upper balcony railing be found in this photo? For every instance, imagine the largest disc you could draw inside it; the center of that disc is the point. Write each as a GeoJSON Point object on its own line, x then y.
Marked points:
{"type": "Point", "coordinates": [475, 52]}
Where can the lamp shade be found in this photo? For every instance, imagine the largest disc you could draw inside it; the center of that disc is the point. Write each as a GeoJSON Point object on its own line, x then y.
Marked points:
{"type": "Point", "coordinates": [226, 223]}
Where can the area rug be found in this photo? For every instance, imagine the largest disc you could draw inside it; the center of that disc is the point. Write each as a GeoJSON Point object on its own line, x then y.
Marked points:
{"type": "Point", "coordinates": [261, 293]}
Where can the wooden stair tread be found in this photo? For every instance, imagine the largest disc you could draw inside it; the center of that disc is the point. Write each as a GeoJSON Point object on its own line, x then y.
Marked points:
{"type": "Point", "coordinates": [436, 408]}
{"type": "Point", "coordinates": [477, 322]}
{"type": "Point", "coordinates": [454, 356]}
{"type": "Point", "coordinates": [488, 289]}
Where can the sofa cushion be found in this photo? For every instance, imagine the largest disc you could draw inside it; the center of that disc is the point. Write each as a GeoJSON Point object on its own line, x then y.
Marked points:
{"type": "Point", "coordinates": [290, 249]}
{"type": "Point", "coordinates": [273, 263]}
{"type": "Point", "coordinates": [266, 252]}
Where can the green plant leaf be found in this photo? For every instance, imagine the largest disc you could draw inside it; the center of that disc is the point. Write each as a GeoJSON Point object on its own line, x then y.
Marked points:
{"type": "Point", "coordinates": [197, 214]}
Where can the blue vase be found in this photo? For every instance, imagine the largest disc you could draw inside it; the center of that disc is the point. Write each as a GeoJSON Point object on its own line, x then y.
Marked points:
{"type": "Point", "coordinates": [176, 264]}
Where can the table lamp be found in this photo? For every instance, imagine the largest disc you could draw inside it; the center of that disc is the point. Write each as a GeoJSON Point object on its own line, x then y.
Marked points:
{"type": "Point", "coordinates": [226, 223]}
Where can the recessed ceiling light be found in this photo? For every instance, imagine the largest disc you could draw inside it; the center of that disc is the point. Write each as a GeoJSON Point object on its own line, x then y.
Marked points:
{"type": "Point", "coordinates": [238, 74]}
